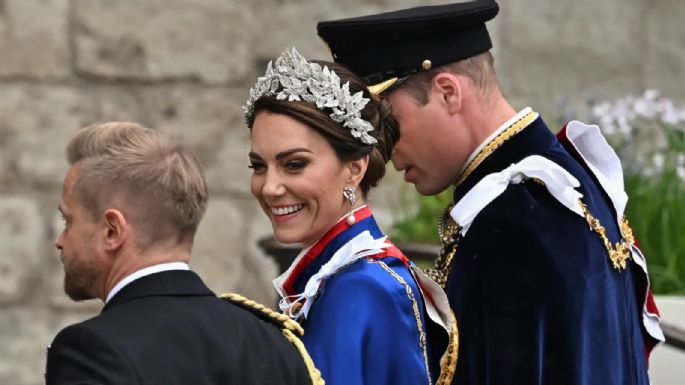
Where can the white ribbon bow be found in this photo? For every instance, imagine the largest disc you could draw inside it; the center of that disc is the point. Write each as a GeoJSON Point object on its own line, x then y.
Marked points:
{"type": "Point", "coordinates": [559, 182]}
{"type": "Point", "coordinates": [361, 246]}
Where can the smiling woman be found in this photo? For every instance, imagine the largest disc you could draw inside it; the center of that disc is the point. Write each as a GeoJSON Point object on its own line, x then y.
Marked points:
{"type": "Point", "coordinates": [298, 179]}
{"type": "Point", "coordinates": [319, 143]}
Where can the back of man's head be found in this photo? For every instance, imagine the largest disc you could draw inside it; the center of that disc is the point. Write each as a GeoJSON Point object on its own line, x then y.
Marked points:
{"type": "Point", "coordinates": [154, 180]}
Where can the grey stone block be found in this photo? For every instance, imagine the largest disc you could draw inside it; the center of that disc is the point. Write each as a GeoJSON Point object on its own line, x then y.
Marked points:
{"type": "Point", "coordinates": [25, 333]}
{"type": "Point", "coordinates": [21, 234]}
{"type": "Point", "coordinates": [200, 116]}
{"type": "Point", "coordinates": [33, 39]}
{"type": "Point", "coordinates": [36, 123]}
{"type": "Point", "coordinates": [206, 40]}
{"type": "Point", "coordinates": [118, 103]}
{"type": "Point", "coordinates": [664, 55]}
{"type": "Point", "coordinates": [259, 269]}
{"type": "Point", "coordinates": [228, 170]}
{"type": "Point", "coordinates": [219, 245]}
{"type": "Point", "coordinates": [572, 50]}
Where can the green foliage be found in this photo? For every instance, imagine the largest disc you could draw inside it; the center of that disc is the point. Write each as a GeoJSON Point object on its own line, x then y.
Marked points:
{"type": "Point", "coordinates": [656, 211]}
{"type": "Point", "coordinates": [423, 225]}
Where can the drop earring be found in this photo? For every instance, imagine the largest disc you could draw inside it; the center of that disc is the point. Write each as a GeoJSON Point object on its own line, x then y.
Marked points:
{"type": "Point", "coordinates": [349, 192]}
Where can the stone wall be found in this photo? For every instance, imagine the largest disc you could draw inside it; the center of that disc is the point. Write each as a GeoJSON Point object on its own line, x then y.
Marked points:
{"type": "Point", "coordinates": [185, 66]}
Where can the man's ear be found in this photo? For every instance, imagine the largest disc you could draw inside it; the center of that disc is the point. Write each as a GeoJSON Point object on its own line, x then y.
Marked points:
{"type": "Point", "coordinates": [116, 229]}
{"type": "Point", "coordinates": [356, 170]}
{"type": "Point", "coordinates": [448, 88]}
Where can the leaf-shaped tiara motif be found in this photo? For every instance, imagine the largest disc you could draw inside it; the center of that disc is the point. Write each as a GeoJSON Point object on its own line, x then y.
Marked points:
{"type": "Point", "coordinates": [291, 77]}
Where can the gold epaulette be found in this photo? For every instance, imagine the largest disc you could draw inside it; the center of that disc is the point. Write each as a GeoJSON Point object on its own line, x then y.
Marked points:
{"type": "Point", "coordinates": [291, 330]}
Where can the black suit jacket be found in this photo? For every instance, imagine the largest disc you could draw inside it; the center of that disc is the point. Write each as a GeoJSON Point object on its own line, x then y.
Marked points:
{"type": "Point", "coordinates": [169, 328]}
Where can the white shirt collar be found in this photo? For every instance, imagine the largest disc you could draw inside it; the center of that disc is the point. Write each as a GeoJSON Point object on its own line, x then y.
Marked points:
{"type": "Point", "coordinates": [492, 136]}
{"type": "Point", "coordinates": [146, 271]}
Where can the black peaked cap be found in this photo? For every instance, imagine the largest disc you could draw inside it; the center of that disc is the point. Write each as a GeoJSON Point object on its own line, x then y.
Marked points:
{"type": "Point", "coordinates": [397, 44]}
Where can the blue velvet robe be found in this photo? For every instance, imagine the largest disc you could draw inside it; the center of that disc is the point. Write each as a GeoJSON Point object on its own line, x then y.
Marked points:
{"type": "Point", "coordinates": [365, 326]}
{"type": "Point", "coordinates": [536, 297]}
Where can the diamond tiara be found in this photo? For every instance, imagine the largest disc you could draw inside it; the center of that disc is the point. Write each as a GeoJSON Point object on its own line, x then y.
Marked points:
{"type": "Point", "coordinates": [300, 80]}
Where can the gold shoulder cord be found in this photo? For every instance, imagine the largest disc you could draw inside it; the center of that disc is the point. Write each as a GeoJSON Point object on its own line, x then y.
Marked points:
{"type": "Point", "coordinates": [291, 330]}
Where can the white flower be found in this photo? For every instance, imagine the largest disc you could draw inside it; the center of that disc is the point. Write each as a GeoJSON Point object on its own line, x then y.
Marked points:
{"type": "Point", "coordinates": [680, 171]}
{"type": "Point", "coordinates": [658, 161]}
{"type": "Point", "coordinates": [680, 166]}
{"type": "Point", "coordinates": [640, 128]}
{"type": "Point", "coordinates": [651, 94]}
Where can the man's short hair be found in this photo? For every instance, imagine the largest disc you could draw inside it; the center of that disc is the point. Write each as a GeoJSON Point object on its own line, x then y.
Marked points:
{"type": "Point", "coordinates": [156, 181]}
{"type": "Point", "coordinates": [478, 69]}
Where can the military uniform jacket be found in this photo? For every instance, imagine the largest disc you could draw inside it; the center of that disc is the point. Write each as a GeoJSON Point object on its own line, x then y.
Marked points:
{"type": "Point", "coordinates": [538, 299]}
{"type": "Point", "coordinates": [169, 328]}
{"type": "Point", "coordinates": [366, 319]}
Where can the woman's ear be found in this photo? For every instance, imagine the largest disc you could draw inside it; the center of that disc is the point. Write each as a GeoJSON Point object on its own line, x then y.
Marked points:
{"type": "Point", "coordinates": [116, 229]}
{"type": "Point", "coordinates": [356, 170]}
{"type": "Point", "coordinates": [448, 88]}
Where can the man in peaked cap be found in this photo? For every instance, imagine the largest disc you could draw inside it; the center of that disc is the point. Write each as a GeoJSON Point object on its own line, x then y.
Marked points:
{"type": "Point", "coordinates": [538, 262]}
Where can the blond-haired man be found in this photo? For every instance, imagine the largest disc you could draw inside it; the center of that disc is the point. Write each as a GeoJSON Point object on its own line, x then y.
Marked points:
{"type": "Point", "coordinates": [132, 200]}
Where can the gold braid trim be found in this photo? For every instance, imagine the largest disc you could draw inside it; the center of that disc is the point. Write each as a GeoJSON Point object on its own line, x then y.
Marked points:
{"type": "Point", "coordinates": [291, 330]}
{"type": "Point", "coordinates": [282, 319]}
{"type": "Point", "coordinates": [314, 373]}
{"type": "Point", "coordinates": [448, 364]}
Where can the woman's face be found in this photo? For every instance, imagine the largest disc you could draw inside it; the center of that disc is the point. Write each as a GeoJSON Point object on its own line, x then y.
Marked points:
{"type": "Point", "coordinates": [297, 178]}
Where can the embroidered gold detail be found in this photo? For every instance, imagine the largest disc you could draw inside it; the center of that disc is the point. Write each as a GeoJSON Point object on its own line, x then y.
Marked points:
{"type": "Point", "coordinates": [448, 364]}
{"type": "Point", "coordinates": [417, 313]}
{"type": "Point", "coordinates": [291, 330]}
{"type": "Point", "coordinates": [448, 230]}
{"type": "Point", "coordinates": [538, 181]}
{"type": "Point", "coordinates": [621, 251]}
{"type": "Point", "coordinates": [505, 135]}
{"type": "Point", "coordinates": [626, 231]}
